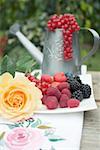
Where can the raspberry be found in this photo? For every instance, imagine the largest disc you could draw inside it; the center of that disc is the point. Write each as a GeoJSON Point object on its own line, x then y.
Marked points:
{"type": "Point", "coordinates": [63, 85]}
{"type": "Point", "coordinates": [55, 84]}
{"type": "Point", "coordinates": [63, 101]}
{"type": "Point", "coordinates": [43, 90]}
{"type": "Point", "coordinates": [46, 78]}
{"type": "Point", "coordinates": [60, 77]}
{"type": "Point", "coordinates": [44, 87]}
{"type": "Point", "coordinates": [51, 102]}
{"type": "Point", "coordinates": [67, 92]}
{"type": "Point", "coordinates": [51, 91]}
{"type": "Point", "coordinates": [44, 98]}
{"type": "Point", "coordinates": [73, 103]}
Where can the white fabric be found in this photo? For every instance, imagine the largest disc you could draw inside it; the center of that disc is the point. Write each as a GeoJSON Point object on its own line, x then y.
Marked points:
{"type": "Point", "coordinates": [67, 126]}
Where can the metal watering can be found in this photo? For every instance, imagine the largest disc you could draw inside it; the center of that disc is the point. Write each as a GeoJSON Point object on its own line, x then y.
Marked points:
{"type": "Point", "coordinates": [51, 60]}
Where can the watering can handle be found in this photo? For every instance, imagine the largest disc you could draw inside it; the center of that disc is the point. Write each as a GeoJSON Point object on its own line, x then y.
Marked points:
{"type": "Point", "coordinates": [95, 45]}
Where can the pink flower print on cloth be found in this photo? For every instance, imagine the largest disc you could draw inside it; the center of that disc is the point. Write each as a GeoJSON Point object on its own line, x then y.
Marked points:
{"type": "Point", "coordinates": [23, 139]}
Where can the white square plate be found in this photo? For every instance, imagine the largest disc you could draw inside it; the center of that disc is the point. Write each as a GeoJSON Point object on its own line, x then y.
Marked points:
{"type": "Point", "coordinates": [85, 105]}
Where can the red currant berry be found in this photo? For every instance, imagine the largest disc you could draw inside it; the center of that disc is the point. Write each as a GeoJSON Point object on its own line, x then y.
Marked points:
{"type": "Point", "coordinates": [59, 24]}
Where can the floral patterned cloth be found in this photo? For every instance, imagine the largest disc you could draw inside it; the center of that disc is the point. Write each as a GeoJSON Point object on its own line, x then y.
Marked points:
{"type": "Point", "coordinates": [42, 132]}
{"type": "Point", "coordinates": [22, 138]}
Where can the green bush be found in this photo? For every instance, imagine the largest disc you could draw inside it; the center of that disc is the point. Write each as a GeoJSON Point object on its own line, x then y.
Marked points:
{"type": "Point", "coordinates": [33, 15]}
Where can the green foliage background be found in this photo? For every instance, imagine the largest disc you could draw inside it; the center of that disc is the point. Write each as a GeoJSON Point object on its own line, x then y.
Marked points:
{"type": "Point", "coordinates": [33, 15]}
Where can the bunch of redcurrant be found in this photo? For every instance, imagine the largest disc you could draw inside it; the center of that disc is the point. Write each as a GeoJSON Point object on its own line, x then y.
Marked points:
{"type": "Point", "coordinates": [68, 24]}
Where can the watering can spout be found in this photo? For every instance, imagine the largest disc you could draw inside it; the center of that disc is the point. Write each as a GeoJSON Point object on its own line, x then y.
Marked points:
{"type": "Point", "coordinates": [15, 30]}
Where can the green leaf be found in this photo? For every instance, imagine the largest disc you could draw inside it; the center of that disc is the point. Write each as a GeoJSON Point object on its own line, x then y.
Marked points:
{"type": "Point", "coordinates": [56, 140]}
{"type": "Point", "coordinates": [90, 9]}
{"type": "Point", "coordinates": [25, 64]}
{"type": "Point", "coordinates": [84, 5]}
{"type": "Point", "coordinates": [88, 23]}
{"type": "Point", "coordinates": [7, 66]}
{"type": "Point", "coordinates": [12, 126]}
{"type": "Point", "coordinates": [36, 74]}
{"type": "Point", "coordinates": [44, 127]}
{"type": "Point", "coordinates": [23, 59]}
{"type": "Point", "coordinates": [2, 135]}
{"type": "Point", "coordinates": [36, 123]}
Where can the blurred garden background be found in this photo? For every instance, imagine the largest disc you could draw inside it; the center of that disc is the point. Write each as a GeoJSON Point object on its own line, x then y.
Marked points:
{"type": "Point", "coordinates": [33, 15]}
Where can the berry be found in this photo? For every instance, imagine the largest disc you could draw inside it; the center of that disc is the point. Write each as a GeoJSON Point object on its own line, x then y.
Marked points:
{"type": "Point", "coordinates": [78, 79]}
{"type": "Point", "coordinates": [51, 102]}
{"type": "Point", "coordinates": [69, 75]}
{"type": "Point", "coordinates": [86, 90]}
{"type": "Point", "coordinates": [63, 101]}
{"type": "Point", "coordinates": [44, 87]}
{"type": "Point", "coordinates": [59, 24]}
{"type": "Point", "coordinates": [68, 24]}
{"type": "Point", "coordinates": [49, 25]}
{"type": "Point", "coordinates": [31, 78]}
{"type": "Point", "coordinates": [74, 85]}
{"type": "Point", "coordinates": [67, 92]}
{"type": "Point", "coordinates": [44, 98]}
{"type": "Point", "coordinates": [51, 91]}
{"type": "Point", "coordinates": [55, 84]}
{"type": "Point", "coordinates": [73, 103]}
{"type": "Point", "coordinates": [38, 84]}
{"type": "Point", "coordinates": [54, 17]}
{"type": "Point", "coordinates": [63, 85]}
{"type": "Point", "coordinates": [43, 90]}
{"type": "Point", "coordinates": [46, 78]}
{"type": "Point", "coordinates": [78, 95]}
{"type": "Point", "coordinates": [60, 77]}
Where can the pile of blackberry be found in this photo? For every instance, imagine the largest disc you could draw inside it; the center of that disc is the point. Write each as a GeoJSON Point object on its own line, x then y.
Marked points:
{"type": "Point", "coordinates": [78, 89]}
{"type": "Point", "coordinates": [78, 95]}
{"type": "Point", "coordinates": [86, 90]}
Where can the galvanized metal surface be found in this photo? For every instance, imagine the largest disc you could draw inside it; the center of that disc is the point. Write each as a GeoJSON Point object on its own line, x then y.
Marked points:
{"type": "Point", "coordinates": [54, 61]}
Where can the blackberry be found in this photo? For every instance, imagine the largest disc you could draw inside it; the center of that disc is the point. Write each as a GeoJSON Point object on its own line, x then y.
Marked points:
{"type": "Point", "coordinates": [74, 85]}
{"type": "Point", "coordinates": [78, 95]}
{"type": "Point", "coordinates": [78, 79]}
{"type": "Point", "coordinates": [86, 90]}
{"type": "Point", "coordinates": [68, 75]}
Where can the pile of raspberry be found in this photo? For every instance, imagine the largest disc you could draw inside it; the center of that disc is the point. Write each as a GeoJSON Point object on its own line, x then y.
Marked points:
{"type": "Point", "coordinates": [61, 90]}
{"type": "Point", "coordinates": [68, 24]}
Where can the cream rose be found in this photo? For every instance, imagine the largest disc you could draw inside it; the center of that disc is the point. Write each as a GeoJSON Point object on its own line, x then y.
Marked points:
{"type": "Point", "coordinates": [19, 97]}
